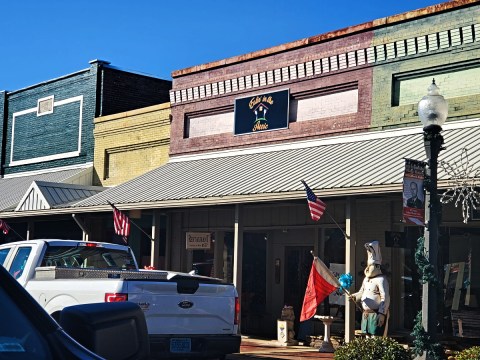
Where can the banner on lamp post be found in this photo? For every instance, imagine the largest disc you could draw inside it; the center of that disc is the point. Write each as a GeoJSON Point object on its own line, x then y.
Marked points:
{"type": "Point", "coordinates": [413, 192]}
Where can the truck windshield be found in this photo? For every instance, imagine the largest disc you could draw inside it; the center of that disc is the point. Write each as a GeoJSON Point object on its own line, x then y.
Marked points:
{"type": "Point", "coordinates": [88, 257]}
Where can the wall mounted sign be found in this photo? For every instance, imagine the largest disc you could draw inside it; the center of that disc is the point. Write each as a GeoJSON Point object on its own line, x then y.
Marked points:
{"type": "Point", "coordinates": [262, 112]}
{"type": "Point", "coordinates": [198, 241]}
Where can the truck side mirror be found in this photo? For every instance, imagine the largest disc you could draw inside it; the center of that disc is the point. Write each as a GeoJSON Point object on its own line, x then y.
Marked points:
{"type": "Point", "coordinates": [112, 330]}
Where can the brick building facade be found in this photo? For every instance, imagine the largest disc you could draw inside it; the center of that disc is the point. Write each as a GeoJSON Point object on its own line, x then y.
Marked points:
{"type": "Point", "coordinates": [47, 134]}
{"type": "Point", "coordinates": [352, 121]}
{"type": "Point", "coordinates": [362, 81]}
{"type": "Point", "coordinates": [131, 143]}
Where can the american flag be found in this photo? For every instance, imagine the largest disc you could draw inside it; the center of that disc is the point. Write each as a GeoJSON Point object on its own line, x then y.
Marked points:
{"type": "Point", "coordinates": [317, 206]}
{"type": "Point", "coordinates": [121, 223]}
{"type": "Point", "coordinates": [4, 227]}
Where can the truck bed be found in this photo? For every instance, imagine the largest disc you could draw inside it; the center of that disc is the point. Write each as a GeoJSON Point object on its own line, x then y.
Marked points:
{"type": "Point", "coordinates": [59, 272]}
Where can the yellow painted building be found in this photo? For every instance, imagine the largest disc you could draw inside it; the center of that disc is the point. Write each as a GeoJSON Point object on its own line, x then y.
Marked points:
{"type": "Point", "coordinates": [131, 143]}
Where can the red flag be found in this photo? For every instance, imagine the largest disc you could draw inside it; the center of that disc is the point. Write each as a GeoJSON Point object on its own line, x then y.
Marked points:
{"type": "Point", "coordinates": [4, 227]}
{"type": "Point", "coordinates": [121, 223]}
{"type": "Point", "coordinates": [321, 283]}
{"type": "Point", "coordinates": [317, 206]}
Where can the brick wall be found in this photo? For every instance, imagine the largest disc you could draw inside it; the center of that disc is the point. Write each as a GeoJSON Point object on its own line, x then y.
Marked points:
{"type": "Point", "coordinates": [124, 91]}
{"type": "Point", "coordinates": [379, 59]}
{"type": "Point", "coordinates": [400, 84]}
{"type": "Point", "coordinates": [131, 143]}
{"type": "Point", "coordinates": [65, 136]}
{"type": "Point", "coordinates": [39, 137]}
{"type": "Point", "coordinates": [332, 121]}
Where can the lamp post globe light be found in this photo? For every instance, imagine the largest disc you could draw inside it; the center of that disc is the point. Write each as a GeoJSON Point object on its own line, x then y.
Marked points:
{"type": "Point", "coordinates": [432, 111]}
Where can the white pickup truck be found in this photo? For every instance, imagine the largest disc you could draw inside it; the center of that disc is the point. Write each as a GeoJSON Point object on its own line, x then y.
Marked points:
{"type": "Point", "coordinates": [187, 315]}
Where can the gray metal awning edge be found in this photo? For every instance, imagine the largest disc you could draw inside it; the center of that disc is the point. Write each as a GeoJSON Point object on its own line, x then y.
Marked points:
{"type": "Point", "coordinates": [212, 201]}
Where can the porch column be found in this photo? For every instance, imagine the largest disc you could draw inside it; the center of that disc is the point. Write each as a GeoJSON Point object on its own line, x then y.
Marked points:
{"type": "Point", "coordinates": [350, 229]}
{"type": "Point", "coordinates": [81, 224]}
{"type": "Point", "coordinates": [30, 230]}
{"type": "Point", "coordinates": [155, 242]}
{"type": "Point", "coordinates": [168, 240]}
{"type": "Point", "coordinates": [218, 255]}
{"type": "Point", "coordinates": [238, 252]}
{"type": "Point", "coordinates": [176, 256]}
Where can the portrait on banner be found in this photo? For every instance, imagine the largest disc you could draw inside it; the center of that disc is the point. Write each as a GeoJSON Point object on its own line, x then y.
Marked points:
{"type": "Point", "coordinates": [413, 192]}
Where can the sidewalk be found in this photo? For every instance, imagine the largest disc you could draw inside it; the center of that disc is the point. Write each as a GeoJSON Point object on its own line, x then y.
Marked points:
{"type": "Point", "coordinates": [254, 348]}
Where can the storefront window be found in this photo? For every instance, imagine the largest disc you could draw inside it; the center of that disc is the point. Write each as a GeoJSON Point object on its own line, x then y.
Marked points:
{"type": "Point", "coordinates": [203, 260]}
{"type": "Point", "coordinates": [459, 273]}
{"type": "Point", "coordinates": [461, 280]}
{"type": "Point", "coordinates": [334, 258]}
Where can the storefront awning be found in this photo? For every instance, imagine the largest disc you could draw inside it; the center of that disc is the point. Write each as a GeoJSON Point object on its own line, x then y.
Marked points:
{"type": "Point", "coordinates": [48, 195]}
{"type": "Point", "coordinates": [358, 164]}
{"type": "Point", "coordinates": [14, 188]}
{"type": "Point", "coordinates": [364, 163]}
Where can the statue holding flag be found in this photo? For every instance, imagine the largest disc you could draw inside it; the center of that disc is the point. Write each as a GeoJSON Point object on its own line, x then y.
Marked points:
{"type": "Point", "coordinates": [374, 294]}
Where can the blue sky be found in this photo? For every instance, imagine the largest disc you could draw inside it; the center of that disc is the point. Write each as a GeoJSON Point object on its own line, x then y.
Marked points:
{"type": "Point", "coordinates": [42, 40]}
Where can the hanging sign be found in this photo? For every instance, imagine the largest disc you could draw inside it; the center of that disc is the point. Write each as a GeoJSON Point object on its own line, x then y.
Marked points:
{"type": "Point", "coordinates": [198, 241]}
{"type": "Point", "coordinates": [413, 194]}
{"type": "Point", "coordinates": [257, 113]}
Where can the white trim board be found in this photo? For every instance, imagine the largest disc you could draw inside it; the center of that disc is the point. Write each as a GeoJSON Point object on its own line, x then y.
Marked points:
{"type": "Point", "coordinates": [48, 157]}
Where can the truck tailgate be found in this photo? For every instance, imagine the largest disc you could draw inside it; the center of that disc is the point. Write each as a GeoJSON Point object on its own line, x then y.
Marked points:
{"type": "Point", "coordinates": [185, 306]}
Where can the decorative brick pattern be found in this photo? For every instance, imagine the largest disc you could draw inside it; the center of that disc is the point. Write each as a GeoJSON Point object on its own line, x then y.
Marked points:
{"type": "Point", "coordinates": [467, 34]}
{"type": "Point", "coordinates": [382, 52]}
{"type": "Point", "coordinates": [366, 60]}
{"type": "Point", "coordinates": [422, 44]}
{"type": "Point", "coordinates": [342, 61]}
{"type": "Point", "coordinates": [441, 55]}
{"type": "Point", "coordinates": [432, 41]}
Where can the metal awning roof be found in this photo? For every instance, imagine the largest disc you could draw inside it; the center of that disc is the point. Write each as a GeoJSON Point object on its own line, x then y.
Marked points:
{"type": "Point", "coordinates": [352, 164]}
{"type": "Point", "coordinates": [13, 188]}
{"type": "Point", "coordinates": [366, 163]}
{"type": "Point", "coordinates": [48, 195]}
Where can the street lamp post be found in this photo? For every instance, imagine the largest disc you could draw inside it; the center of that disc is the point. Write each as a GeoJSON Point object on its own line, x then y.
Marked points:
{"type": "Point", "coordinates": [432, 111]}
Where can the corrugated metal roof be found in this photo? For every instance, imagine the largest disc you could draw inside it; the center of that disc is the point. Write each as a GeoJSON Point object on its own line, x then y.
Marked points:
{"type": "Point", "coordinates": [12, 189]}
{"type": "Point", "coordinates": [361, 163]}
{"type": "Point", "coordinates": [47, 195]}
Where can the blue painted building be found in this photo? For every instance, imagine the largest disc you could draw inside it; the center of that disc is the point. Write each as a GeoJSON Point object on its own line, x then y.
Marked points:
{"type": "Point", "coordinates": [47, 128]}
{"type": "Point", "coordinates": [50, 125]}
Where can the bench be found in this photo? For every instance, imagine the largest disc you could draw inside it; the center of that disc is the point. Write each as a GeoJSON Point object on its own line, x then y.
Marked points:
{"type": "Point", "coordinates": [466, 323]}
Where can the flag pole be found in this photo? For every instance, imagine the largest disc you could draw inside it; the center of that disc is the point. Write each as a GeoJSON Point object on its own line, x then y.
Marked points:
{"type": "Point", "coordinates": [17, 234]}
{"type": "Point", "coordinates": [325, 211]}
{"type": "Point", "coordinates": [143, 231]}
{"type": "Point", "coordinates": [344, 233]}
{"type": "Point", "coordinates": [138, 227]}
